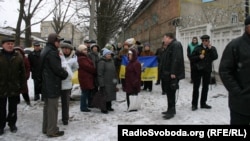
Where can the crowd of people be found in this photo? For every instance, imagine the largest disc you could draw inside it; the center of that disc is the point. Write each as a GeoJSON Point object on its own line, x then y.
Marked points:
{"type": "Point", "coordinates": [52, 68]}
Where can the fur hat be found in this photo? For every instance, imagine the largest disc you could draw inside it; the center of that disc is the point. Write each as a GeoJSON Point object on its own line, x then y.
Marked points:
{"type": "Point", "coordinates": [81, 48]}
{"type": "Point", "coordinates": [94, 45]}
{"type": "Point", "coordinates": [4, 40]}
{"type": "Point", "coordinates": [66, 45]}
{"type": "Point", "coordinates": [67, 41]}
{"type": "Point", "coordinates": [130, 41]}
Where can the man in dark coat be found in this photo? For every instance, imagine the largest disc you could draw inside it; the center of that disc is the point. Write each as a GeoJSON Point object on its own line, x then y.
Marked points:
{"type": "Point", "coordinates": [234, 72]}
{"type": "Point", "coordinates": [52, 75]}
{"type": "Point", "coordinates": [171, 70]}
{"type": "Point", "coordinates": [34, 59]}
{"type": "Point", "coordinates": [202, 59]}
{"type": "Point", "coordinates": [12, 80]}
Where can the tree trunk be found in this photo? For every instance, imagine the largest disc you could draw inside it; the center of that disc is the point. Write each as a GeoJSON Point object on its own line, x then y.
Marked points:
{"type": "Point", "coordinates": [19, 23]}
{"type": "Point", "coordinates": [91, 23]}
{"type": "Point", "coordinates": [28, 39]}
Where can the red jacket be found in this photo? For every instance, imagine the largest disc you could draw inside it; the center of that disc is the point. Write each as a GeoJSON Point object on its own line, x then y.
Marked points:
{"type": "Point", "coordinates": [86, 72]}
{"type": "Point", "coordinates": [133, 75]}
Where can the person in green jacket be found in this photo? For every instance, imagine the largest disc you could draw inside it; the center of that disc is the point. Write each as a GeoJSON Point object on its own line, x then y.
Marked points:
{"type": "Point", "coordinates": [190, 49]}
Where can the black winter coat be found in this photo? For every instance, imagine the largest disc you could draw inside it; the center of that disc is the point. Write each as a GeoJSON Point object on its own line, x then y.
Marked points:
{"type": "Point", "coordinates": [34, 59]}
{"type": "Point", "coordinates": [234, 71]}
{"type": "Point", "coordinates": [206, 63]}
{"type": "Point", "coordinates": [52, 72]}
{"type": "Point", "coordinates": [172, 61]}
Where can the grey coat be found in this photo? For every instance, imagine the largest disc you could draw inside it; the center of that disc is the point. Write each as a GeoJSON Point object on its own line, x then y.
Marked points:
{"type": "Point", "coordinates": [107, 77]}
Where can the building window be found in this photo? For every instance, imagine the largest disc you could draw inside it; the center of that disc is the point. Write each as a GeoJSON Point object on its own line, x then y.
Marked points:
{"type": "Point", "coordinates": [45, 30]}
{"type": "Point", "coordinates": [234, 18]}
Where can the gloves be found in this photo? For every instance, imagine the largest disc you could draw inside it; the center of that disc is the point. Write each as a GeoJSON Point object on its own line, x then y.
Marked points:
{"type": "Point", "coordinates": [174, 84]}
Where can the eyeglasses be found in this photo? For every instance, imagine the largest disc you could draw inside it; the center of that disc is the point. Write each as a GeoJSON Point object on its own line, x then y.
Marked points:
{"type": "Point", "coordinates": [205, 40]}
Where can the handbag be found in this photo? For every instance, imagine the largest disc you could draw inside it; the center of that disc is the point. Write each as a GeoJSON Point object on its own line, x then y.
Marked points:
{"type": "Point", "coordinates": [99, 100]}
{"type": "Point", "coordinates": [135, 102]}
{"type": "Point", "coordinates": [75, 79]}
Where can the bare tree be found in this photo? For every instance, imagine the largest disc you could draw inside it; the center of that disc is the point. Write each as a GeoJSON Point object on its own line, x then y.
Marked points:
{"type": "Point", "coordinates": [61, 18]}
{"type": "Point", "coordinates": [27, 11]}
{"type": "Point", "coordinates": [111, 16]}
{"type": "Point", "coordinates": [19, 22]}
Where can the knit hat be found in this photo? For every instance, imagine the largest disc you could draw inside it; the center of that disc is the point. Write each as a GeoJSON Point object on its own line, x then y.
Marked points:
{"type": "Point", "coordinates": [7, 40]}
{"type": "Point", "coordinates": [66, 45]}
{"type": "Point", "coordinates": [108, 46]}
{"type": "Point", "coordinates": [147, 44]}
{"type": "Point", "coordinates": [82, 47]}
{"type": "Point", "coordinates": [106, 51]}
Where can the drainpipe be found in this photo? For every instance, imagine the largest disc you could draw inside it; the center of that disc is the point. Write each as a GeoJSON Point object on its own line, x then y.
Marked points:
{"type": "Point", "coordinates": [246, 8]}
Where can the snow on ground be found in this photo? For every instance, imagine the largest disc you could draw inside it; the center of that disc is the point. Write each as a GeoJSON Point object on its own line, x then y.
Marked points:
{"type": "Point", "coordinates": [95, 126]}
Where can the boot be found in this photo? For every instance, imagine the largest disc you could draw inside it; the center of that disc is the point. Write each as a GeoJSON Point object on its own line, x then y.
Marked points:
{"type": "Point", "coordinates": [1, 131]}
{"type": "Point", "coordinates": [37, 97]}
{"type": "Point", "coordinates": [13, 128]}
{"type": "Point", "coordinates": [57, 134]}
{"type": "Point", "coordinates": [170, 113]}
{"type": "Point", "coordinates": [104, 111]}
{"type": "Point", "coordinates": [109, 107]}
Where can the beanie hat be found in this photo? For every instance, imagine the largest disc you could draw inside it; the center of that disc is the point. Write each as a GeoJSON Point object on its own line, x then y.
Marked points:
{"type": "Point", "coordinates": [147, 44]}
{"type": "Point", "coordinates": [81, 48]}
{"type": "Point", "coordinates": [106, 51]}
{"type": "Point", "coordinates": [53, 37]}
{"type": "Point", "coordinates": [66, 45]}
{"type": "Point", "coordinates": [108, 46]}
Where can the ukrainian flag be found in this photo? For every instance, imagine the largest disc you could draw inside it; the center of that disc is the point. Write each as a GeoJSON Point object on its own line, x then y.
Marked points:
{"type": "Point", "coordinates": [149, 67]}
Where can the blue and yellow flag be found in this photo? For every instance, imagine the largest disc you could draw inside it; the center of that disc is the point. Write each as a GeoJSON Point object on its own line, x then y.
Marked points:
{"type": "Point", "coordinates": [149, 67]}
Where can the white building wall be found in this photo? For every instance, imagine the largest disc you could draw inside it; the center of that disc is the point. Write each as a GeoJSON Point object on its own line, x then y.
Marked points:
{"type": "Point", "coordinates": [219, 37]}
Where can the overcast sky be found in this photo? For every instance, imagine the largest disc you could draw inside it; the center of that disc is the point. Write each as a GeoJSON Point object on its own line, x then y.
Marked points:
{"type": "Point", "coordinates": [9, 15]}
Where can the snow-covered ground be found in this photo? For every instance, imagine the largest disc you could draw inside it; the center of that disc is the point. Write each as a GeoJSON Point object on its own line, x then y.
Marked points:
{"type": "Point", "coordinates": [95, 126]}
